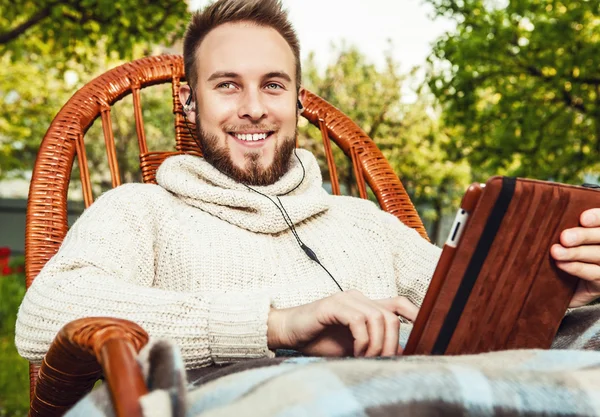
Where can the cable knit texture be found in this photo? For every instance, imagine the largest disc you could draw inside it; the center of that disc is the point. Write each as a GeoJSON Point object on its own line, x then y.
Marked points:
{"type": "Point", "coordinates": [199, 259]}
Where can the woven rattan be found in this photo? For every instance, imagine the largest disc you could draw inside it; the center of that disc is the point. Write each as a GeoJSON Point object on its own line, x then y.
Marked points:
{"type": "Point", "coordinates": [47, 207]}
{"type": "Point", "coordinates": [77, 358]}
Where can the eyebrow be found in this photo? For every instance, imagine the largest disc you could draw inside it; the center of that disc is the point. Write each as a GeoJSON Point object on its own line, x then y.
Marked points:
{"type": "Point", "coordinates": [223, 74]}
{"type": "Point", "coordinates": [279, 74]}
{"type": "Point", "coordinates": [227, 74]}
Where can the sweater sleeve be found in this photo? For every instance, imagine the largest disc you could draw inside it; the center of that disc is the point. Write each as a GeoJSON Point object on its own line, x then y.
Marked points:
{"type": "Point", "coordinates": [415, 259]}
{"type": "Point", "coordinates": [105, 267]}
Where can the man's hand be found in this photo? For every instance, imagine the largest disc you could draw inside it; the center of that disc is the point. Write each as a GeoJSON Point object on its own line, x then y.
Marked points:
{"type": "Point", "coordinates": [343, 324]}
{"type": "Point", "coordinates": [579, 255]}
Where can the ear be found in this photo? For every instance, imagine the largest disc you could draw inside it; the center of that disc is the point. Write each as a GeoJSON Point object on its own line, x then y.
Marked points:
{"type": "Point", "coordinates": [301, 97]}
{"type": "Point", "coordinates": [190, 111]}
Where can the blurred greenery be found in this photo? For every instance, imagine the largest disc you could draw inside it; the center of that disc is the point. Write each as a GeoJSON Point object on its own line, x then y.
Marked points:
{"type": "Point", "coordinates": [71, 29]}
{"type": "Point", "coordinates": [519, 80]}
{"type": "Point", "coordinates": [14, 370]}
{"type": "Point", "coordinates": [409, 135]}
{"type": "Point", "coordinates": [70, 43]}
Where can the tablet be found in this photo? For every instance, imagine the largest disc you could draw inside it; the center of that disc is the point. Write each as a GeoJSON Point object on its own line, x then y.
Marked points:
{"type": "Point", "coordinates": [496, 287]}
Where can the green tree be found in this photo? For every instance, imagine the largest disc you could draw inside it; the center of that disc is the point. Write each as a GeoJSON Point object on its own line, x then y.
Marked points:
{"type": "Point", "coordinates": [47, 55]}
{"type": "Point", "coordinates": [31, 98]}
{"type": "Point", "coordinates": [520, 85]}
{"type": "Point", "coordinates": [409, 135]}
{"type": "Point", "coordinates": [72, 28]}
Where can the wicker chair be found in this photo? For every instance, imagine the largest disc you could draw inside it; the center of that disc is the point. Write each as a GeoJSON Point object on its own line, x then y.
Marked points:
{"type": "Point", "coordinates": [88, 348]}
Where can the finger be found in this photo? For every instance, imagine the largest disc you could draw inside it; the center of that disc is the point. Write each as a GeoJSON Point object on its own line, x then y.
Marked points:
{"type": "Point", "coordinates": [340, 309]}
{"type": "Point", "coordinates": [400, 306]}
{"type": "Point", "coordinates": [385, 343]}
{"type": "Point", "coordinates": [346, 314]}
{"type": "Point", "coordinates": [380, 324]}
{"type": "Point", "coordinates": [585, 293]}
{"type": "Point", "coordinates": [376, 326]}
{"type": "Point", "coordinates": [383, 335]}
{"type": "Point", "coordinates": [583, 270]}
{"type": "Point", "coordinates": [580, 236]}
{"type": "Point", "coordinates": [392, 334]}
{"type": "Point", "coordinates": [375, 321]}
{"type": "Point", "coordinates": [590, 218]}
{"type": "Point", "coordinates": [357, 324]}
{"type": "Point", "coordinates": [584, 253]}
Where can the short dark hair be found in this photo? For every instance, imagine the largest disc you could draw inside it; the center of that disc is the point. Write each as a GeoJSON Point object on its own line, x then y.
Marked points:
{"type": "Point", "coordinates": [268, 13]}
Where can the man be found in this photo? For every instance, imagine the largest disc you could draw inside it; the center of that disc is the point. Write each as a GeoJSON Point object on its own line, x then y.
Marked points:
{"type": "Point", "coordinates": [242, 252]}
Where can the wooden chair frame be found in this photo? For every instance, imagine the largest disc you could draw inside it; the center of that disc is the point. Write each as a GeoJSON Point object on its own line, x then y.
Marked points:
{"type": "Point", "coordinates": [88, 348]}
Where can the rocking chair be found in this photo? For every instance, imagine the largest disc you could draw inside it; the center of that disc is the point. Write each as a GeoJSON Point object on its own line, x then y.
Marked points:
{"type": "Point", "coordinates": [89, 348]}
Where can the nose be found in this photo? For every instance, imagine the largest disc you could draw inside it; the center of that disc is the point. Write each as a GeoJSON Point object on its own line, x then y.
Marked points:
{"type": "Point", "coordinates": [252, 106]}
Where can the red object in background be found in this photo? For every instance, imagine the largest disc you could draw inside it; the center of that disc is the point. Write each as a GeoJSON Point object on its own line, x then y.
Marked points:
{"type": "Point", "coordinates": [4, 257]}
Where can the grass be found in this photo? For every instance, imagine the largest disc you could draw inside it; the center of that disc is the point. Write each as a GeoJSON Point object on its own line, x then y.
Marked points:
{"type": "Point", "coordinates": [14, 370]}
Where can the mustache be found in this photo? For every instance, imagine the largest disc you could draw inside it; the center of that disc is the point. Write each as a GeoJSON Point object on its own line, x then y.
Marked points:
{"type": "Point", "coordinates": [243, 128]}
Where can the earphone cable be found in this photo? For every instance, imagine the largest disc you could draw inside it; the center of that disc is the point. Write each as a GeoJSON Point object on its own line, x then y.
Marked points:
{"type": "Point", "coordinates": [288, 221]}
{"type": "Point", "coordinates": [286, 217]}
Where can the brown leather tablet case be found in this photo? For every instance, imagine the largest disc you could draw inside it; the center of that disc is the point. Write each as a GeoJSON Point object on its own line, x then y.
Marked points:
{"type": "Point", "coordinates": [500, 288]}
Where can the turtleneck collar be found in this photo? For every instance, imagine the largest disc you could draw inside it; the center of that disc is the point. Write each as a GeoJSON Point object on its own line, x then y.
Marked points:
{"type": "Point", "coordinates": [199, 184]}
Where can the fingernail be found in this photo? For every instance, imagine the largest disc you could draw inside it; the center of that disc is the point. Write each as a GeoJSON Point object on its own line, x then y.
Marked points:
{"type": "Point", "coordinates": [570, 237]}
{"type": "Point", "coordinates": [589, 218]}
{"type": "Point", "coordinates": [559, 251]}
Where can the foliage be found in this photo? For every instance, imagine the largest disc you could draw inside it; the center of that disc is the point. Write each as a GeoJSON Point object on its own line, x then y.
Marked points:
{"type": "Point", "coordinates": [69, 29]}
{"type": "Point", "coordinates": [32, 97]}
{"type": "Point", "coordinates": [31, 92]}
{"type": "Point", "coordinates": [520, 85]}
{"type": "Point", "coordinates": [74, 40]}
{"type": "Point", "coordinates": [14, 375]}
{"type": "Point", "coordinates": [408, 134]}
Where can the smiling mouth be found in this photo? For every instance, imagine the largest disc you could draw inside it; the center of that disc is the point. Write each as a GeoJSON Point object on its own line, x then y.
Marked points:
{"type": "Point", "coordinates": [251, 137]}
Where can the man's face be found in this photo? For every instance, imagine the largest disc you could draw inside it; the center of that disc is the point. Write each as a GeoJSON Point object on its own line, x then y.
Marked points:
{"type": "Point", "coordinates": [246, 102]}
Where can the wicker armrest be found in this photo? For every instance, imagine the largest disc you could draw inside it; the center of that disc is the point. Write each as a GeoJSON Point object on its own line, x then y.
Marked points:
{"type": "Point", "coordinates": [81, 353]}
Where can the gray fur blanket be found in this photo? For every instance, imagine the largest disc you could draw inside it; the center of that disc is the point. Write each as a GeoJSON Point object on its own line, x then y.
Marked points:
{"type": "Point", "coordinates": [562, 381]}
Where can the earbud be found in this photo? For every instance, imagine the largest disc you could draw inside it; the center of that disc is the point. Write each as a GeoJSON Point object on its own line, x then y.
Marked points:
{"type": "Point", "coordinates": [300, 106]}
{"type": "Point", "coordinates": [189, 105]}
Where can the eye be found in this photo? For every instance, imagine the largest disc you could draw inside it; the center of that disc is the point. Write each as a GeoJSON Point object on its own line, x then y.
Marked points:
{"type": "Point", "coordinates": [273, 86]}
{"type": "Point", "coordinates": [226, 85]}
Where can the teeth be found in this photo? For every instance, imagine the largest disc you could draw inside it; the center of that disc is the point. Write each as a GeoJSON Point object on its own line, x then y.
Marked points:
{"type": "Point", "coordinates": [251, 136]}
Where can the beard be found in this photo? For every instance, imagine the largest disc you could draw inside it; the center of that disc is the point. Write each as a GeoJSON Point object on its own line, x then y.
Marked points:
{"type": "Point", "coordinates": [254, 173]}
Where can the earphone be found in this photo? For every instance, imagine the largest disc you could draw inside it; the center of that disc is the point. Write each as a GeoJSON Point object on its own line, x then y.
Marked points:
{"type": "Point", "coordinates": [189, 105]}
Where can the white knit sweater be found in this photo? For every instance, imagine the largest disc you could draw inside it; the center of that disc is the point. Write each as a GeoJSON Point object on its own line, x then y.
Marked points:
{"type": "Point", "coordinates": [200, 259]}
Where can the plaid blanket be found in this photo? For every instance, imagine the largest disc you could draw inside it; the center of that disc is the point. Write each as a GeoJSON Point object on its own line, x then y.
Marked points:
{"type": "Point", "coordinates": [562, 381]}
